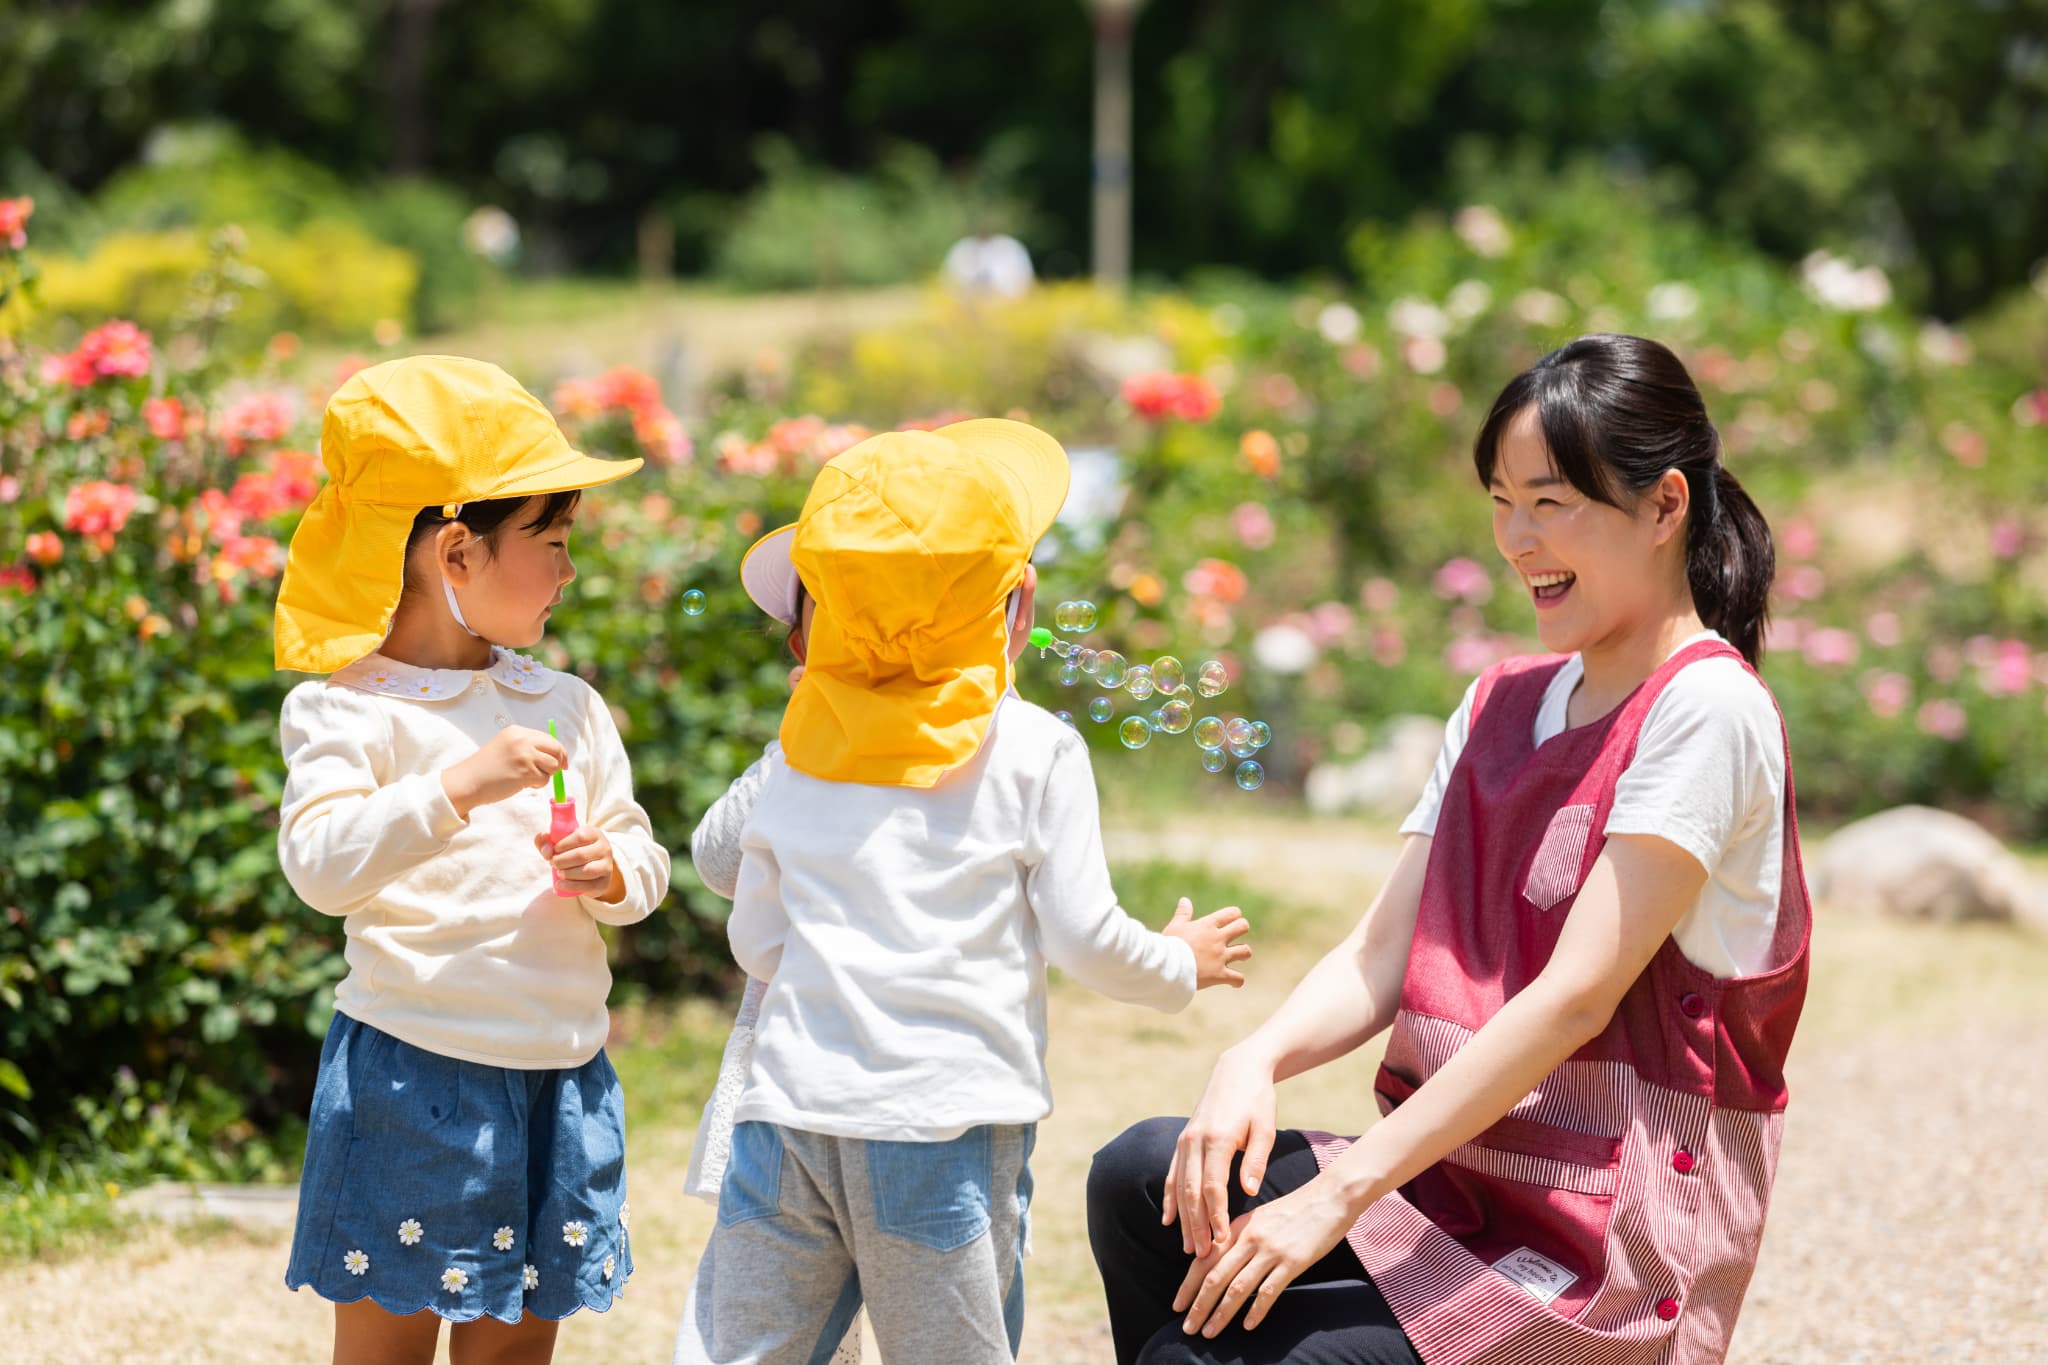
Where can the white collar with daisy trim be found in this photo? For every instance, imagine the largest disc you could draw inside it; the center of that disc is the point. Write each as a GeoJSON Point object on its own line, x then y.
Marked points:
{"type": "Point", "coordinates": [390, 678]}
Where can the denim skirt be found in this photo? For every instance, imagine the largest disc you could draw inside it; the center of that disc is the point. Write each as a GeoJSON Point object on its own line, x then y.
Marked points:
{"type": "Point", "coordinates": [460, 1187]}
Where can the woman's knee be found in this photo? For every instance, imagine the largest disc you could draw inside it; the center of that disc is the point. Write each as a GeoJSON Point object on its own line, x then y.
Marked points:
{"type": "Point", "coordinates": [1133, 1163]}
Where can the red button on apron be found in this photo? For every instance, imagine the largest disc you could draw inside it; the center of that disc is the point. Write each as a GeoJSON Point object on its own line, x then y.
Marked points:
{"type": "Point", "coordinates": [1667, 1309]}
{"type": "Point", "coordinates": [1691, 1005]}
{"type": "Point", "coordinates": [1682, 1162]}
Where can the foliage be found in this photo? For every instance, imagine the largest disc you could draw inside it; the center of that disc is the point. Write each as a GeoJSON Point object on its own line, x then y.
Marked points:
{"type": "Point", "coordinates": [326, 278]}
{"type": "Point", "coordinates": [806, 229]}
{"type": "Point", "coordinates": [337, 259]}
{"type": "Point", "coordinates": [1262, 134]}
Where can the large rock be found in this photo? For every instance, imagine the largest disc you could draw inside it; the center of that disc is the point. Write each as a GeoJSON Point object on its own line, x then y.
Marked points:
{"type": "Point", "coordinates": [1919, 863]}
{"type": "Point", "coordinates": [1389, 779]}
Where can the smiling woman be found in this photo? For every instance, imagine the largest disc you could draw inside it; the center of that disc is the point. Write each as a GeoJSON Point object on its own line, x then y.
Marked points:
{"type": "Point", "coordinates": [1589, 960]}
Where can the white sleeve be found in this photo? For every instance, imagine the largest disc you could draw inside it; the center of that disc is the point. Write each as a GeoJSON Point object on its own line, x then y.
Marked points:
{"type": "Point", "coordinates": [1422, 819]}
{"type": "Point", "coordinates": [715, 845]}
{"type": "Point", "coordinates": [1709, 766]}
{"type": "Point", "coordinates": [349, 829]}
{"type": "Point", "coordinates": [641, 860]}
{"type": "Point", "coordinates": [759, 923]}
{"type": "Point", "coordinates": [1082, 929]}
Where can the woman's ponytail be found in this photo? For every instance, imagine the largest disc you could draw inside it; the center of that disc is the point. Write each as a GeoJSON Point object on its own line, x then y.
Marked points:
{"type": "Point", "coordinates": [1729, 562]}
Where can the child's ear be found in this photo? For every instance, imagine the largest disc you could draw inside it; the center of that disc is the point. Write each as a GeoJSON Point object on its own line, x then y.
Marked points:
{"type": "Point", "coordinates": [451, 552]}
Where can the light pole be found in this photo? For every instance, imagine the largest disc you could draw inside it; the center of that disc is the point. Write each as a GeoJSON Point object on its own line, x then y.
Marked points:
{"type": "Point", "coordinates": [1114, 20]}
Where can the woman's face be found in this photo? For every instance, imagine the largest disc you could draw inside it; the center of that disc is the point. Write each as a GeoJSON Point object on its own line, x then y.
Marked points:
{"type": "Point", "coordinates": [1594, 572]}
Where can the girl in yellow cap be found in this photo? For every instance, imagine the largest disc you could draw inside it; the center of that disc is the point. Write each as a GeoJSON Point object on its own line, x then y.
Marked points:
{"type": "Point", "coordinates": [905, 861]}
{"type": "Point", "coordinates": [466, 1150]}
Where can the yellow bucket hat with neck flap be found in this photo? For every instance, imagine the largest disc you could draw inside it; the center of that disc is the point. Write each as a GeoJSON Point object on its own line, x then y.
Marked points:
{"type": "Point", "coordinates": [911, 544]}
{"type": "Point", "coordinates": [424, 431]}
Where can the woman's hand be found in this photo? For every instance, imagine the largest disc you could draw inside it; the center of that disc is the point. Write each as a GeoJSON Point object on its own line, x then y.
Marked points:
{"type": "Point", "coordinates": [1236, 1114]}
{"type": "Point", "coordinates": [1267, 1247]}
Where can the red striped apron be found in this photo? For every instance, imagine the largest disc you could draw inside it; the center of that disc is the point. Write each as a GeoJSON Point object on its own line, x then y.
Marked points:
{"type": "Point", "coordinates": [1614, 1214]}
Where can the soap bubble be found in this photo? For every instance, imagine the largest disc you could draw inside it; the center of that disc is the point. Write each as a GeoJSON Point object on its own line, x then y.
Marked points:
{"type": "Point", "coordinates": [1069, 674]}
{"type": "Point", "coordinates": [1212, 679]}
{"type": "Point", "coordinates": [1101, 709]}
{"type": "Point", "coordinates": [1064, 616]}
{"type": "Point", "coordinates": [1065, 718]}
{"type": "Point", "coordinates": [1176, 716]}
{"type": "Point", "coordinates": [1158, 719]}
{"type": "Point", "coordinates": [1262, 734]}
{"type": "Point", "coordinates": [1084, 615]}
{"type": "Point", "coordinates": [1250, 776]}
{"type": "Point", "coordinates": [1213, 760]}
{"type": "Point", "coordinates": [1138, 682]}
{"type": "Point", "coordinates": [1239, 731]}
{"type": "Point", "coordinates": [1241, 747]}
{"type": "Point", "coordinates": [1209, 735]}
{"type": "Point", "coordinates": [694, 603]}
{"type": "Point", "coordinates": [1086, 658]}
{"type": "Point", "coordinates": [1110, 668]}
{"type": "Point", "coordinates": [1167, 674]}
{"type": "Point", "coordinates": [1135, 732]}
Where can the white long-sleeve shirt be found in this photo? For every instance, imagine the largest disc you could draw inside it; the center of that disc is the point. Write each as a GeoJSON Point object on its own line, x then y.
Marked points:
{"type": "Point", "coordinates": [904, 935]}
{"type": "Point", "coordinates": [457, 942]}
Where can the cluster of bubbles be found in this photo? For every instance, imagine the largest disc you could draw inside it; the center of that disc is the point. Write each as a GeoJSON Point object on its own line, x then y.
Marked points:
{"type": "Point", "coordinates": [1221, 743]}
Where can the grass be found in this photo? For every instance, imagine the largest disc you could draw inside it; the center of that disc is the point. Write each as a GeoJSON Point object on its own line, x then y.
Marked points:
{"type": "Point", "coordinates": [52, 1205]}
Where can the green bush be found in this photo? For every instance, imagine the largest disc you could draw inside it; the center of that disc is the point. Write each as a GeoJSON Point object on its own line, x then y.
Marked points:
{"type": "Point", "coordinates": [338, 258]}
{"type": "Point", "coordinates": [807, 228]}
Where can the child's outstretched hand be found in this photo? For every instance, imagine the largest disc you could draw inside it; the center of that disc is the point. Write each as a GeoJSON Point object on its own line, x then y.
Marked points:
{"type": "Point", "coordinates": [515, 759]}
{"type": "Point", "coordinates": [1214, 938]}
{"type": "Point", "coordinates": [583, 860]}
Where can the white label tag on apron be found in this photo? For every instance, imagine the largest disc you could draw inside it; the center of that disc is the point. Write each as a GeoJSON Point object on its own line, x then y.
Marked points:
{"type": "Point", "coordinates": [1544, 1278]}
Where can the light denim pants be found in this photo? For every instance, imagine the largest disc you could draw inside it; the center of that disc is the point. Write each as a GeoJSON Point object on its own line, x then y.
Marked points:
{"type": "Point", "coordinates": [929, 1235]}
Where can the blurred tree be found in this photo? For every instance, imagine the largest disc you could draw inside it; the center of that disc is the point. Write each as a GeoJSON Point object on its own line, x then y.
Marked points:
{"type": "Point", "coordinates": [1909, 132]}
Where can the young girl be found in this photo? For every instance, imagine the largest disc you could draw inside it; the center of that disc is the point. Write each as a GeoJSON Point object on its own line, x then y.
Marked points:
{"type": "Point", "coordinates": [911, 854]}
{"type": "Point", "coordinates": [466, 1151]}
{"type": "Point", "coordinates": [1590, 955]}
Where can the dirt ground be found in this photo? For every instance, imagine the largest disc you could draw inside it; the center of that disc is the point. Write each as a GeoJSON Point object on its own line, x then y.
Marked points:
{"type": "Point", "coordinates": [1907, 1224]}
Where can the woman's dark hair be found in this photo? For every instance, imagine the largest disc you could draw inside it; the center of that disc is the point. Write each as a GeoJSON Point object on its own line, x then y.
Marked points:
{"type": "Point", "coordinates": [1616, 413]}
{"type": "Point", "coordinates": [486, 520]}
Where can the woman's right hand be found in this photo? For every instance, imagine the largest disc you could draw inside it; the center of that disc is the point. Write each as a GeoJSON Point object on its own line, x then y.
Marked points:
{"type": "Point", "coordinates": [515, 760]}
{"type": "Point", "coordinates": [1236, 1114]}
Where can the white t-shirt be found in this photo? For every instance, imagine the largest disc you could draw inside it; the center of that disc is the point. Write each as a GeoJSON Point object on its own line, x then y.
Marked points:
{"type": "Point", "coordinates": [1708, 775]}
{"type": "Point", "coordinates": [904, 934]}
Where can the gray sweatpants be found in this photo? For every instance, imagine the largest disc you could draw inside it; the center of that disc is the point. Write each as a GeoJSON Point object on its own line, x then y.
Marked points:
{"type": "Point", "coordinates": [929, 1235]}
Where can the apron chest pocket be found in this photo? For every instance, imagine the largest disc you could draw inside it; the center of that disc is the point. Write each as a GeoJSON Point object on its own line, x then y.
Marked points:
{"type": "Point", "coordinates": [1556, 872]}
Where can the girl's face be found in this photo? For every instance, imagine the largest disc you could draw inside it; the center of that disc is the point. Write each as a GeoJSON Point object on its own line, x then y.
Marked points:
{"type": "Point", "coordinates": [1594, 572]}
{"type": "Point", "coordinates": [514, 585]}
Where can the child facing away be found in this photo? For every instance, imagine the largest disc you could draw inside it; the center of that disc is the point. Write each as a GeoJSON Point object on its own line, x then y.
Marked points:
{"type": "Point", "coordinates": [466, 1148]}
{"type": "Point", "coordinates": [913, 851]}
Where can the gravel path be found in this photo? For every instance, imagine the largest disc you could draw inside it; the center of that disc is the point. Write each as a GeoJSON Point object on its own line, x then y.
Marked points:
{"type": "Point", "coordinates": [1910, 1220]}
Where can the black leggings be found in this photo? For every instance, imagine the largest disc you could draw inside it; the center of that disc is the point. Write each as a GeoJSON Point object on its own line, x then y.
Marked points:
{"type": "Point", "coordinates": [1331, 1315]}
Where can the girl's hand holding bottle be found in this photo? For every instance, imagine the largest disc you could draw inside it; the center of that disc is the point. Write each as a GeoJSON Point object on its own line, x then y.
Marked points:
{"type": "Point", "coordinates": [583, 864]}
